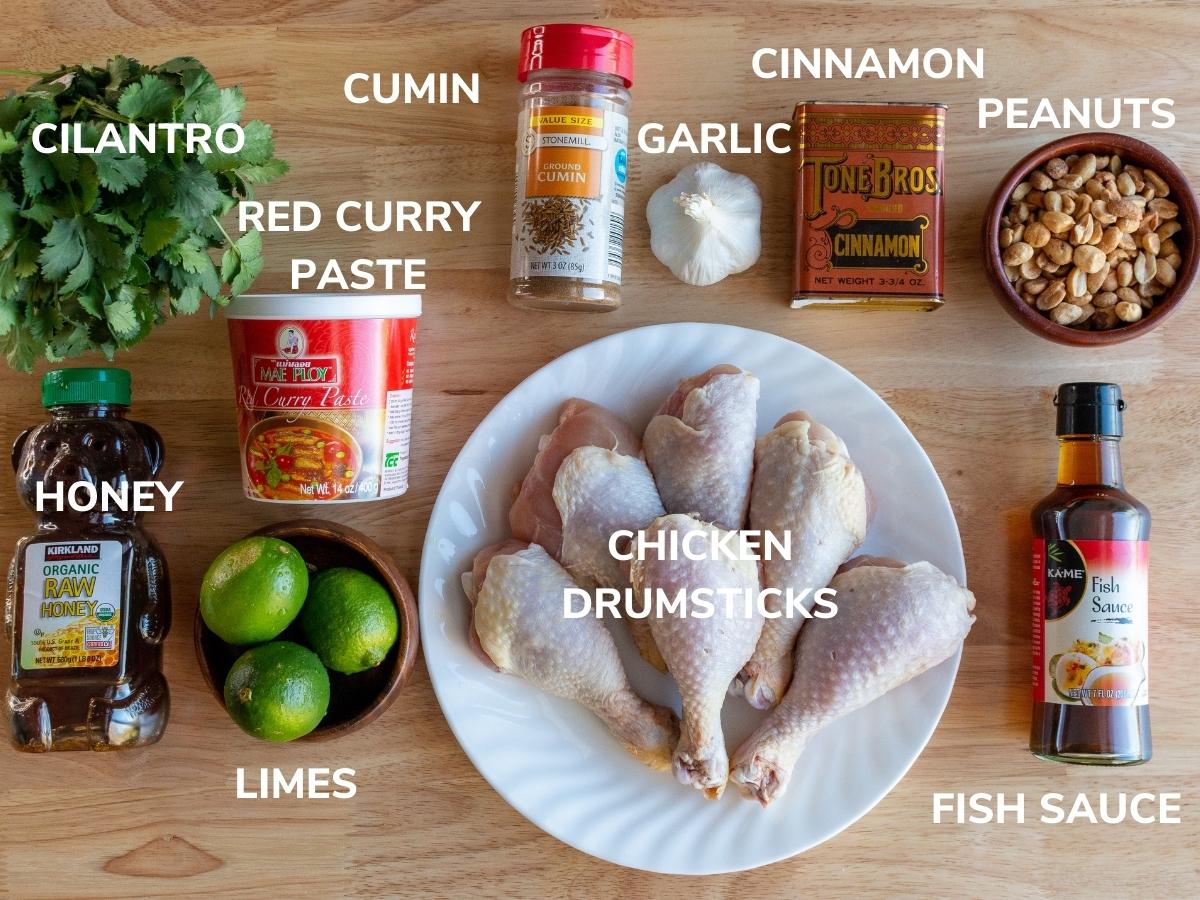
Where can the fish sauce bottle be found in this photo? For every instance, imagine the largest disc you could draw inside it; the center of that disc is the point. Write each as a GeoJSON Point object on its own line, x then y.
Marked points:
{"type": "Point", "coordinates": [88, 602]}
{"type": "Point", "coordinates": [1091, 556]}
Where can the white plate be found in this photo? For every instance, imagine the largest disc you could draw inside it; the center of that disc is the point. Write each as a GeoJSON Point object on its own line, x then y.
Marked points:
{"type": "Point", "coordinates": [551, 759]}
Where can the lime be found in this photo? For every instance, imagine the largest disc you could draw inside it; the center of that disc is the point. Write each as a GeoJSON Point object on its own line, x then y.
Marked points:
{"type": "Point", "coordinates": [253, 590]}
{"type": "Point", "coordinates": [349, 619]}
{"type": "Point", "coordinates": [278, 691]}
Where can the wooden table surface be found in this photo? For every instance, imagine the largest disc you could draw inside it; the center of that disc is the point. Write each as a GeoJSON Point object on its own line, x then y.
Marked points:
{"type": "Point", "coordinates": [974, 388]}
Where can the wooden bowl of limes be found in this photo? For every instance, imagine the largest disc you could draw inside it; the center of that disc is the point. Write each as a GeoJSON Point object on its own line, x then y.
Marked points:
{"type": "Point", "coordinates": [357, 699]}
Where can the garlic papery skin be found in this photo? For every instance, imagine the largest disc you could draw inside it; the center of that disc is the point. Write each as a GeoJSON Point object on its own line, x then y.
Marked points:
{"type": "Point", "coordinates": [705, 224]}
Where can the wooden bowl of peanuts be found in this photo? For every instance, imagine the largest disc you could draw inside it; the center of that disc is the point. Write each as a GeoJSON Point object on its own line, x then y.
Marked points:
{"type": "Point", "coordinates": [1091, 239]}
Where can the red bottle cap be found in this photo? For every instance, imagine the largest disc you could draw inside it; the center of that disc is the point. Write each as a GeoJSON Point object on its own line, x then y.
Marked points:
{"type": "Point", "coordinates": [591, 47]}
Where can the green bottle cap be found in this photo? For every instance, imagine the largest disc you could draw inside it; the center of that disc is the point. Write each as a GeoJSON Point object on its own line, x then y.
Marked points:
{"type": "Point", "coordinates": [86, 387]}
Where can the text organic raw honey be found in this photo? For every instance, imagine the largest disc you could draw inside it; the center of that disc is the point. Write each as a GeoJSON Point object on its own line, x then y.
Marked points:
{"type": "Point", "coordinates": [869, 188]}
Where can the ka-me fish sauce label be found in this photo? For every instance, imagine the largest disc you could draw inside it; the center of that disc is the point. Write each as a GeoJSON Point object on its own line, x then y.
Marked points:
{"type": "Point", "coordinates": [1090, 622]}
{"type": "Point", "coordinates": [569, 216]}
{"type": "Point", "coordinates": [869, 192]}
{"type": "Point", "coordinates": [71, 618]}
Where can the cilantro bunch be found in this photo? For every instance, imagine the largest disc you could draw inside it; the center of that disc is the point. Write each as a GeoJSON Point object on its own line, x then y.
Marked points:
{"type": "Point", "coordinates": [97, 249]}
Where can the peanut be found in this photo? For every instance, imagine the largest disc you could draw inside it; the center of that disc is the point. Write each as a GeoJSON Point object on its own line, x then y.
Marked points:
{"type": "Point", "coordinates": [1128, 312]}
{"type": "Point", "coordinates": [1089, 240]}
{"type": "Point", "coordinates": [1020, 252]}
{"type": "Point", "coordinates": [1088, 258]}
{"type": "Point", "coordinates": [1052, 296]}
{"type": "Point", "coordinates": [1067, 314]}
{"type": "Point", "coordinates": [1036, 235]}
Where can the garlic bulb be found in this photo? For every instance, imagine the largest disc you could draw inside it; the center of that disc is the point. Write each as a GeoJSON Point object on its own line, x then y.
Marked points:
{"type": "Point", "coordinates": [704, 223]}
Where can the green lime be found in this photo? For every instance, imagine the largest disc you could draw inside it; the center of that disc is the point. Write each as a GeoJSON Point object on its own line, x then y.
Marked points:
{"type": "Point", "coordinates": [278, 691]}
{"type": "Point", "coordinates": [253, 590]}
{"type": "Point", "coordinates": [350, 619]}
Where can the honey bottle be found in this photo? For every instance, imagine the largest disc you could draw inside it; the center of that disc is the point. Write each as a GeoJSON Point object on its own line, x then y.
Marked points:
{"type": "Point", "coordinates": [1091, 555]}
{"type": "Point", "coordinates": [88, 602]}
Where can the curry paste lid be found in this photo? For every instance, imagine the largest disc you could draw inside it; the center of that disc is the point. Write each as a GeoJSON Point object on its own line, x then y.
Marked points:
{"type": "Point", "coordinates": [325, 306]}
{"type": "Point", "coordinates": [86, 387]}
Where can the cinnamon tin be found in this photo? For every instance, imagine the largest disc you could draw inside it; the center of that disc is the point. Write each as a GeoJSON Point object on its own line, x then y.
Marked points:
{"type": "Point", "coordinates": [869, 181]}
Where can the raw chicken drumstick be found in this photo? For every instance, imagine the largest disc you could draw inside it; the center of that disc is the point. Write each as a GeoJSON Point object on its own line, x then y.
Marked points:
{"type": "Point", "coordinates": [805, 485]}
{"type": "Point", "coordinates": [517, 590]}
{"type": "Point", "coordinates": [702, 654]}
{"type": "Point", "coordinates": [534, 517]}
{"type": "Point", "coordinates": [598, 492]}
{"type": "Point", "coordinates": [700, 446]}
{"type": "Point", "coordinates": [893, 623]}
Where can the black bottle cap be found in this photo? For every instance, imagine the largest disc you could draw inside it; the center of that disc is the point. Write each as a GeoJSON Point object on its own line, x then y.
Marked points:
{"type": "Point", "coordinates": [1089, 407]}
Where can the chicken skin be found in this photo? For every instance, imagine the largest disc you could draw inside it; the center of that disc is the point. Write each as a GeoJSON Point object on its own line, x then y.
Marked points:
{"type": "Point", "coordinates": [700, 446]}
{"type": "Point", "coordinates": [805, 485]}
{"type": "Point", "coordinates": [534, 516]}
{"type": "Point", "coordinates": [598, 492]}
{"type": "Point", "coordinates": [518, 622]}
{"type": "Point", "coordinates": [702, 653]}
{"type": "Point", "coordinates": [893, 623]}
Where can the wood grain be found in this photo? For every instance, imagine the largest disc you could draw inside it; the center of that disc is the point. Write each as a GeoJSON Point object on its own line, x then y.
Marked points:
{"type": "Point", "coordinates": [973, 386]}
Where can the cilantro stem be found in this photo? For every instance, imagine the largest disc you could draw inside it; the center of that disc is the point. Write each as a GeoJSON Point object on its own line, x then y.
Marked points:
{"type": "Point", "coordinates": [103, 111]}
{"type": "Point", "coordinates": [26, 72]}
{"type": "Point", "coordinates": [221, 228]}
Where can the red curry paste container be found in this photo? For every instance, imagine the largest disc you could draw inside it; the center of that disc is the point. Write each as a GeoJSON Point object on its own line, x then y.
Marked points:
{"type": "Point", "coordinates": [324, 394]}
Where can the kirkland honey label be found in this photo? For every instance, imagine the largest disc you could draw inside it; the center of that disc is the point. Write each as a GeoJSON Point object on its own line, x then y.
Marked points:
{"type": "Point", "coordinates": [869, 189]}
{"type": "Point", "coordinates": [569, 218]}
{"type": "Point", "coordinates": [72, 613]}
{"type": "Point", "coordinates": [1090, 622]}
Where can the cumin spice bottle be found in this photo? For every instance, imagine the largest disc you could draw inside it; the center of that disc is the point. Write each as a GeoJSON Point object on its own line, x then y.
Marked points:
{"type": "Point", "coordinates": [1091, 555]}
{"type": "Point", "coordinates": [572, 162]}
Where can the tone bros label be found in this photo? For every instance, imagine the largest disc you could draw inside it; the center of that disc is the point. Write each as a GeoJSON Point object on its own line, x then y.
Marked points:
{"type": "Point", "coordinates": [869, 192]}
{"type": "Point", "coordinates": [72, 613]}
{"type": "Point", "coordinates": [569, 218]}
{"type": "Point", "coordinates": [1090, 622]}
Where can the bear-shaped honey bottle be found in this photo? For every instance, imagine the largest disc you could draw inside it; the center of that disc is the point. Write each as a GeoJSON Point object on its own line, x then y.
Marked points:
{"type": "Point", "coordinates": [88, 603]}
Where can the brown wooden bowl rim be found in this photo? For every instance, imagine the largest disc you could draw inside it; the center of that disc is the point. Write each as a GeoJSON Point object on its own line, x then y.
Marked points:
{"type": "Point", "coordinates": [1137, 151]}
{"type": "Point", "coordinates": [402, 595]}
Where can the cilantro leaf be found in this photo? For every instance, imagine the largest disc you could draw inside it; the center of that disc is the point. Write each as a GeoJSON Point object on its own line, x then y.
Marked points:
{"type": "Point", "coordinates": [268, 171]}
{"type": "Point", "coordinates": [197, 193]}
{"type": "Point", "coordinates": [158, 233]}
{"type": "Point", "coordinates": [150, 99]}
{"type": "Point", "coordinates": [119, 172]}
{"type": "Point", "coordinates": [188, 300]}
{"type": "Point", "coordinates": [37, 173]}
{"type": "Point", "coordinates": [20, 349]}
{"type": "Point", "coordinates": [8, 216]}
{"type": "Point", "coordinates": [250, 262]}
{"type": "Point", "coordinates": [96, 249]}
{"type": "Point", "coordinates": [122, 317]}
{"type": "Point", "coordinates": [80, 275]}
{"type": "Point", "coordinates": [62, 248]}
{"type": "Point", "coordinates": [9, 316]}
{"type": "Point", "coordinates": [225, 109]}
